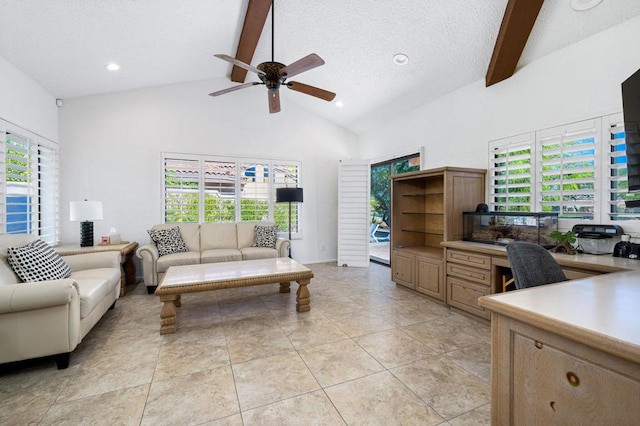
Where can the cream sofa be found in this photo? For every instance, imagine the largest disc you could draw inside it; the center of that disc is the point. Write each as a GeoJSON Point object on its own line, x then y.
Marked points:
{"type": "Point", "coordinates": [52, 317]}
{"type": "Point", "coordinates": [207, 243]}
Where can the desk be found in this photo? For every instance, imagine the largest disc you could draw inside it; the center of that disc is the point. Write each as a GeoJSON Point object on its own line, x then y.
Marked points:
{"type": "Point", "coordinates": [127, 264]}
{"type": "Point", "coordinates": [567, 353]}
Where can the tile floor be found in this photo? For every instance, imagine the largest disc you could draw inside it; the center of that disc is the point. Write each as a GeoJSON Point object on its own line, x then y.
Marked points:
{"type": "Point", "coordinates": [368, 353]}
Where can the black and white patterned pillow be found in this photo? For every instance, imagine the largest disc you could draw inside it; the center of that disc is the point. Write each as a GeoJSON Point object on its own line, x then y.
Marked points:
{"type": "Point", "coordinates": [37, 261]}
{"type": "Point", "coordinates": [168, 241]}
{"type": "Point", "coordinates": [265, 236]}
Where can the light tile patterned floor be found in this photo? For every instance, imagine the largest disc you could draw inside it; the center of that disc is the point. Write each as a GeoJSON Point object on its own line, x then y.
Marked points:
{"type": "Point", "coordinates": [368, 353]}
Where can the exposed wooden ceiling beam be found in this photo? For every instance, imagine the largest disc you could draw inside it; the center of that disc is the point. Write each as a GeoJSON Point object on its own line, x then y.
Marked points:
{"type": "Point", "coordinates": [517, 23]}
{"type": "Point", "coordinates": [257, 12]}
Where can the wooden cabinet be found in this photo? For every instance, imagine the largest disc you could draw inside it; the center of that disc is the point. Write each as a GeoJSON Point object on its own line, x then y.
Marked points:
{"type": "Point", "coordinates": [468, 278]}
{"type": "Point", "coordinates": [427, 209]}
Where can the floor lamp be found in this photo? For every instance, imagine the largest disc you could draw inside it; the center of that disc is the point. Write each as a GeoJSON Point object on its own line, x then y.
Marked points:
{"type": "Point", "coordinates": [289, 195]}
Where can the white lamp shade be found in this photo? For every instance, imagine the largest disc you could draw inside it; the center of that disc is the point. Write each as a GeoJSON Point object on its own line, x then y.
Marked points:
{"type": "Point", "coordinates": [85, 210]}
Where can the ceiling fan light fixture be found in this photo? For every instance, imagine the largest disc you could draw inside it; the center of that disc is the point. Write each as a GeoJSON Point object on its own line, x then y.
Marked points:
{"type": "Point", "coordinates": [400, 59]}
{"type": "Point", "coordinates": [112, 66]}
{"type": "Point", "coordinates": [582, 5]}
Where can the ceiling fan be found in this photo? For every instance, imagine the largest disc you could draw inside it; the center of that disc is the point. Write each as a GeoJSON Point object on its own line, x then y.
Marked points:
{"type": "Point", "coordinates": [275, 74]}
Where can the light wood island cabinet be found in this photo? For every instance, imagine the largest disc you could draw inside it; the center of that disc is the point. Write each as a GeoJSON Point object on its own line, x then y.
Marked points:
{"type": "Point", "coordinates": [567, 353]}
{"type": "Point", "coordinates": [427, 209]}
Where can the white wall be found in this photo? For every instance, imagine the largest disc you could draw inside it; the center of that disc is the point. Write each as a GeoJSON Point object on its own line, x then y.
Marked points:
{"type": "Point", "coordinates": [578, 82]}
{"type": "Point", "coordinates": [26, 104]}
{"type": "Point", "coordinates": [111, 146]}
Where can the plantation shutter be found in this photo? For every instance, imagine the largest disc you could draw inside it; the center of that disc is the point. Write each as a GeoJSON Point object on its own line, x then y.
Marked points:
{"type": "Point", "coordinates": [286, 175]}
{"type": "Point", "coordinates": [181, 190]}
{"type": "Point", "coordinates": [255, 192]}
{"type": "Point", "coordinates": [353, 213]}
{"type": "Point", "coordinates": [29, 191]}
{"type": "Point", "coordinates": [614, 134]}
{"type": "Point", "coordinates": [220, 190]}
{"type": "Point", "coordinates": [567, 163]}
{"type": "Point", "coordinates": [511, 173]}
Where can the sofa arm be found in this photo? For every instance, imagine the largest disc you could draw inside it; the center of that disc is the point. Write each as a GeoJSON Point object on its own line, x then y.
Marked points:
{"type": "Point", "coordinates": [104, 259]}
{"type": "Point", "coordinates": [37, 295]}
{"type": "Point", "coordinates": [149, 255]}
{"type": "Point", "coordinates": [282, 246]}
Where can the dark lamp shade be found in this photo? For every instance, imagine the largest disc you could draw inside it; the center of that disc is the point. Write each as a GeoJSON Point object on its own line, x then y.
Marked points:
{"type": "Point", "coordinates": [288, 195]}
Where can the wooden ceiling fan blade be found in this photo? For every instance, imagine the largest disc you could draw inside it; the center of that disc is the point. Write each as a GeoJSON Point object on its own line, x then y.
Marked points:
{"type": "Point", "coordinates": [274, 100]}
{"type": "Point", "coordinates": [233, 89]}
{"type": "Point", "coordinates": [238, 63]}
{"type": "Point", "coordinates": [301, 65]}
{"type": "Point", "coordinates": [256, 16]}
{"type": "Point", "coordinates": [311, 90]}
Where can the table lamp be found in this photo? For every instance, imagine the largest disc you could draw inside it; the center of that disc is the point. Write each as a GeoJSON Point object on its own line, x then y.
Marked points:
{"type": "Point", "coordinates": [85, 212]}
{"type": "Point", "coordinates": [289, 195]}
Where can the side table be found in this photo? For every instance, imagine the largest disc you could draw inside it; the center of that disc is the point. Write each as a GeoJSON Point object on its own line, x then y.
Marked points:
{"type": "Point", "coordinates": [127, 264]}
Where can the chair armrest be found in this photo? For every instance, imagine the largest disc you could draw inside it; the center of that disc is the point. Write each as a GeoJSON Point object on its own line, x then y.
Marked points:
{"type": "Point", "coordinates": [282, 246]}
{"type": "Point", "coordinates": [149, 255]}
{"type": "Point", "coordinates": [37, 295]}
{"type": "Point", "coordinates": [104, 259]}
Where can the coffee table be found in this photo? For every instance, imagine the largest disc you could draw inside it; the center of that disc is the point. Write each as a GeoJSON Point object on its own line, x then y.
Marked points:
{"type": "Point", "coordinates": [215, 276]}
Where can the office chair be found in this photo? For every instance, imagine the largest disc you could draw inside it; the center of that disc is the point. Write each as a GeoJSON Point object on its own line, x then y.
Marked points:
{"type": "Point", "coordinates": [532, 265]}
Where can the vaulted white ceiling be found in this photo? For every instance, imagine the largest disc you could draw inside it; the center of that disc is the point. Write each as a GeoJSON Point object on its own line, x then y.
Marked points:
{"type": "Point", "coordinates": [64, 45]}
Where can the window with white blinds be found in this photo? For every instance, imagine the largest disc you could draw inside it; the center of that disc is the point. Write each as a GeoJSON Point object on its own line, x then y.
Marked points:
{"type": "Point", "coordinates": [29, 192]}
{"type": "Point", "coordinates": [613, 132]}
{"type": "Point", "coordinates": [566, 161]}
{"type": "Point", "coordinates": [206, 189]}
{"type": "Point", "coordinates": [578, 170]}
{"type": "Point", "coordinates": [511, 187]}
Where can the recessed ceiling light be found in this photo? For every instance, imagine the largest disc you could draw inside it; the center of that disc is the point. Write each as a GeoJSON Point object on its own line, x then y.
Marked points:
{"type": "Point", "coordinates": [339, 104]}
{"type": "Point", "coordinates": [400, 59]}
{"type": "Point", "coordinates": [112, 67]}
{"type": "Point", "coordinates": [581, 5]}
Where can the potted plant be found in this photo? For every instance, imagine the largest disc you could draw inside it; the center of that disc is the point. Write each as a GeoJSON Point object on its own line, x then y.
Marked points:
{"type": "Point", "coordinates": [564, 242]}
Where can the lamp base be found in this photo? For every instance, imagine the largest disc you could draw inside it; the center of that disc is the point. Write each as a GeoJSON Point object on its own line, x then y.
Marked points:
{"type": "Point", "coordinates": [86, 234]}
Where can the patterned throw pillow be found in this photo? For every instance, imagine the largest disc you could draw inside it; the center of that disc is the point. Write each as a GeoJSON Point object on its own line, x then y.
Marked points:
{"type": "Point", "coordinates": [265, 236]}
{"type": "Point", "coordinates": [37, 261]}
{"type": "Point", "coordinates": [168, 240]}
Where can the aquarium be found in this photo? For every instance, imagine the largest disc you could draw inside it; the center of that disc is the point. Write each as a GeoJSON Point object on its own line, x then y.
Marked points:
{"type": "Point", "coordinates": [504, 227]}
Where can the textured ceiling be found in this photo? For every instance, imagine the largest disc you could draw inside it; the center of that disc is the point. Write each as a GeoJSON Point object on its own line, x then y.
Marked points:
{"type": "Point", "coordinates": [64, 44]}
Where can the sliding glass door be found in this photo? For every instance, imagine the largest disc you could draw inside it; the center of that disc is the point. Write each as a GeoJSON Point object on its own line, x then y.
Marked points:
{"type": "Point", "coordinates": [380, 201]}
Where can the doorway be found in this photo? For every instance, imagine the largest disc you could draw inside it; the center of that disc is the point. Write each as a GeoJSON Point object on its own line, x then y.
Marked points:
{"type": "Point", "coordinates": [380, 202]}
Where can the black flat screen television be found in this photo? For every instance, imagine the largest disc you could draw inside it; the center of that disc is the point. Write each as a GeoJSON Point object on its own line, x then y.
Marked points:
{"type": "Point", "coordinates": [631, 112]}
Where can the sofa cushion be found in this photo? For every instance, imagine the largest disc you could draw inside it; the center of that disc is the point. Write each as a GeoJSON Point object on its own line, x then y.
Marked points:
{"type": "Point", "coordinates": [94, 285]}
{"type": "Point", "coordinates": [252, 253]}
{"type": "Point", "coordinates": [246, 232]}
{"type": "Point", "coordinates": [220, 255]}
{"type": "Point", "coordinates": [218, 236]}
{"type": "Point", "coordinates": [168, 241]}
{"type": "Point", "coordinates": [265, 236]}
{"type": "Point", "coordinates": [37, 261]}
{"type": "Point", "coordinates": [176, 259]}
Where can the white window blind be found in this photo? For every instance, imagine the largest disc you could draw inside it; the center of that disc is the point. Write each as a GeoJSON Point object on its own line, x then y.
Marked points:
{"type": "Point", "coordinates": [29, 195]}
{"type": "Point", "coordinates": [221, 189]}
{"type": "Point", "coordinates": [613, 132]}
{"type": "Point", "coordinates": [512, 176]}
{"type": "Point", "coordinates": [566, 157]}
{"type": "Point", "coordinates": [354, 179]}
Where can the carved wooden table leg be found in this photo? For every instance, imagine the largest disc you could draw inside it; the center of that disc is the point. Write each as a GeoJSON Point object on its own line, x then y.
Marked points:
{"type": "Point", "coordinates": [303, 298]}
{"type": "Point", "coordinates": [285, 287]}
{"type": "Point", "coordinates": [168, 313]}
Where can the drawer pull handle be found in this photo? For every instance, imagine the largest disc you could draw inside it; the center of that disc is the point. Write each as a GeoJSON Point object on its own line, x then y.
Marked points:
{"type": "Point", "coordinates": [573, 379]}
{"type": "Point", "coordinates": [539, 345]}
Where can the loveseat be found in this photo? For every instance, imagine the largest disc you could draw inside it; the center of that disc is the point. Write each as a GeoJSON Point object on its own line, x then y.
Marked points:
{"type": "Point", "coordinates": [52, 317]}
{"type": "Point", "coordinates": [209, 243]}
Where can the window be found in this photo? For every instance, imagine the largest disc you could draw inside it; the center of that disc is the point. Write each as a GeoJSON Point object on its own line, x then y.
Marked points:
{"type": "Point", "coordinates": [577, 170]}
{"type": "Point", "coordinates": [206, 189]}
{"type": "Point", "coordinates": [29, 190]}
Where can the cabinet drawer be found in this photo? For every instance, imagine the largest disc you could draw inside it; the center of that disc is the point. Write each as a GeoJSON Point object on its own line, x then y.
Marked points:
{"type": "Point", "coordinates": [468, 258]}
{"type": "Point", "coordinates": [464, 295]}
{"type": "Point", "coordinates": [480, 276]}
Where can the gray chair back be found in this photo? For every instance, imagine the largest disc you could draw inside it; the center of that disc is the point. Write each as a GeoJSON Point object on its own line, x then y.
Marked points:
{"type": "Point", "coordinates": [532, 265]}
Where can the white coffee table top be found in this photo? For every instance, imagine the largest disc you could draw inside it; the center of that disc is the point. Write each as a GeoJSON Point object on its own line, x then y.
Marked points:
{"type": "Point", "coordinates": [231, 271]}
